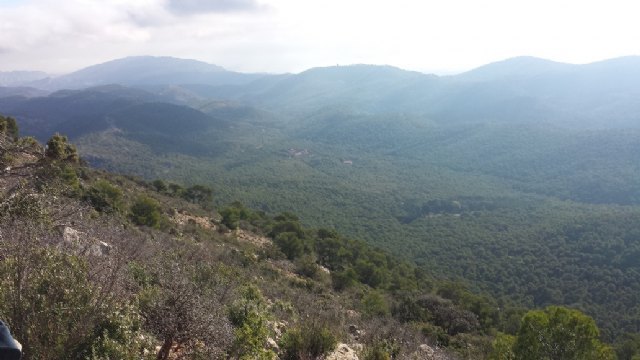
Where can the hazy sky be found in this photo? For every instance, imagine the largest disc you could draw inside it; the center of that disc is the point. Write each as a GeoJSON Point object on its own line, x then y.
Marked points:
{"type": "Point", "coordinates": [293, 35]}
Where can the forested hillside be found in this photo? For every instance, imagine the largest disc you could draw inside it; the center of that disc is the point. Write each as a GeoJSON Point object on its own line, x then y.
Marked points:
{"type": "Point", "coordinates": [518, 179]}
{"type": "Point", "coordinates": [105, 267]}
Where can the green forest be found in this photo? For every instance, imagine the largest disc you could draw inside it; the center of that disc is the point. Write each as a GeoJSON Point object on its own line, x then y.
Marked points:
{"type": "Point", "coordinates": [139, 263]}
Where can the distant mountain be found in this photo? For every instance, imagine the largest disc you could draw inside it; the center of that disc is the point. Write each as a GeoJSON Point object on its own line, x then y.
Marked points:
{"type": "Point", "coordinates": [372, 88]}
{"type": "Point", "coordinates": [20, 78]}
{"type": "Point", "coordinates": [147, 70]}
{"type": "Point", "coordinates": [133, 112]}
{"type": "Point", "coordinates": [521, 67]}
{"type": "Point", "coordinates": [519, 90]}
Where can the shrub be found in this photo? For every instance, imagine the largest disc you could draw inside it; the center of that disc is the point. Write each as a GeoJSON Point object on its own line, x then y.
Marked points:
{"type": "Point", "coordinates": [382, 350]}
{"type": "Point", "coordinates": [249, 316]}
{"type": "Point", "coordinates": [290, 244]}
{"type": "Point", "coordinates": [146, 211]}
{"type": "Point", "coordinates": [58, 148]}
{"type": "Point", "coordinates": [104, 196]}
{"type": "Point", "coordinates": [9, 127]}
{"type": "Point", "coordinates": [308, 342]}
{"type": "Point", "coordinates": [344, 279]}
{"type": "Point", "coordinates": [374, 304]}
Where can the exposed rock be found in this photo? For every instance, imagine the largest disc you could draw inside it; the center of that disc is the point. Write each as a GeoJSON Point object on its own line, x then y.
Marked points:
{"type": "Point", "coordinates": [70, 235]}
{"type": "Point", "coordinates": [352, 314]}
{"type": "Point", "coordinates": [183, 219]}
{"type": "Point", "coordinates": [100, 249]}
{"type": "Point", "coordinates": [278, 328]}
{"type": "Point", "coordinates": [245, 236]}
{"type": "Point", "coordinates": [342, 352]}
{"type": "Point", "coordinates": [426, 352]}
{"type": "Point", "coordinates": [272, 345]}
{"type": "Point", "coordinates": [77, 242]}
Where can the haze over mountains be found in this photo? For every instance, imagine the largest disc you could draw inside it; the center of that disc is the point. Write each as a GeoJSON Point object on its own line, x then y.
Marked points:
{"type": "Point", "coordinates": [521, 89]}
{"type": "Point", "coordinates": [520, 177]}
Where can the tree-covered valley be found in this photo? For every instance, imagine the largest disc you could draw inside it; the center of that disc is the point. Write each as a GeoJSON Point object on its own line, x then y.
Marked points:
{"type": "Point", "coordinates": [518, 180]}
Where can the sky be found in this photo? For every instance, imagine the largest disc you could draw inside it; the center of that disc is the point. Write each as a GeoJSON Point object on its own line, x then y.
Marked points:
{"type": "Point", "coordinates": [276, 36]}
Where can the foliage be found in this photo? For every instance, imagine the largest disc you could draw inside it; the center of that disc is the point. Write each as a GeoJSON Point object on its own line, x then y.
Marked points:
{"type": "Point", "coordinates": [290, 244]}
{"type": "Point", "coordinates": [249, 317]}
{"type": "Point", "coordinates": [183, 313]}
{"type": "Point", "coordinates": [58, 148]}
{"type": "Point", "coordinates": [9, 127]}
{"type": "Point", "coordinates": [559, 333]}
{"type": "Point", "coordinates": [198, 194]}
{"type": "Point", "coordinates": [374, 304]}
{"type": "Point", "coordinates": [117, 336]}
{"type": "Point", "coordinates": [232, 215]}
{"type": "Point", "coordinates": [381, 350]}
{"type": "Point", "coordinates": [159, 185]}
{"type": "Point", "coordinates": [629, 347]}
{"type": "Point", "coordinates": [309, 341]}
{"type": "Point", "coordinates": [503, 347]}
{"type": "Point", "coordinates": [104, 196]}
{"type": "Point", "coordinates": [146, 211]}
{"type": "Point", "coordinates": [54, 310]}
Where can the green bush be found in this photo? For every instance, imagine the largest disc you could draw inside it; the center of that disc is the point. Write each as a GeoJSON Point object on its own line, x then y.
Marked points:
{"type": "Point", "coordinates": [374, 304]}
{"type": "Point", "coordinates": [559, 333]}
{"type": "Point", "coordinates": [382, 350]}
{"type": "Point", "coordinates": [249, 317]}
{"type": "Point", "coordinates": [308, 342]}
{"type": "Point", "coordinates": [104, 196]}
{"type": "Point", "coordinates": [290, 244]}
{"type": "Point", "coordinates": [146, 211]}
{"type": "Point", "coordinates": [59, 148]}
{"type": "Point", "coordinates": [344, 279]}
{"type": "Point", "coordinates": [233, 214]}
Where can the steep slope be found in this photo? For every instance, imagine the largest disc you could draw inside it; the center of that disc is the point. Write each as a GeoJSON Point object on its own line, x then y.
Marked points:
{"type": "Point", "coordinates": [121, 268]}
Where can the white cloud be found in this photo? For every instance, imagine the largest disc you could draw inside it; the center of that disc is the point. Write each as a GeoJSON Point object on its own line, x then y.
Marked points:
{"type": "Point", "coordinates": [292, 35]}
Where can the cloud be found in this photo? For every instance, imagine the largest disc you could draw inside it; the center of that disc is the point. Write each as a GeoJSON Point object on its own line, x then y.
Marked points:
{"type": "Point", "coordinates": [191, 7]}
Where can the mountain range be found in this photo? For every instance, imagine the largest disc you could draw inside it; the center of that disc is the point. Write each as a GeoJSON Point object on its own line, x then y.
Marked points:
{"type": "Point", "coordinates": [519, 177]}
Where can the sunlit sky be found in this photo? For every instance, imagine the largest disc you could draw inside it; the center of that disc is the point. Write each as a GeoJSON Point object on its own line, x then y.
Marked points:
{"type": "Point", "coordinates": [277, 36]}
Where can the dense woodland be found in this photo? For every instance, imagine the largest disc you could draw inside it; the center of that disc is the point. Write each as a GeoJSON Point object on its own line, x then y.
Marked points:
{"type": "Point", "coordinates": [99, 266]}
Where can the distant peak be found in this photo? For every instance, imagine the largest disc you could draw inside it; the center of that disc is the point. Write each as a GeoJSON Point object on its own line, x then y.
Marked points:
{"type": "Point", "coordinates": [516, 67]}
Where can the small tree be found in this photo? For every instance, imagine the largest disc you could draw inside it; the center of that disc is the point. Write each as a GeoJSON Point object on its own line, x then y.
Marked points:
{"type": "Point", "coordinates": [182, 313]}
{"type": "Point", "coordinates": [290, 244]}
